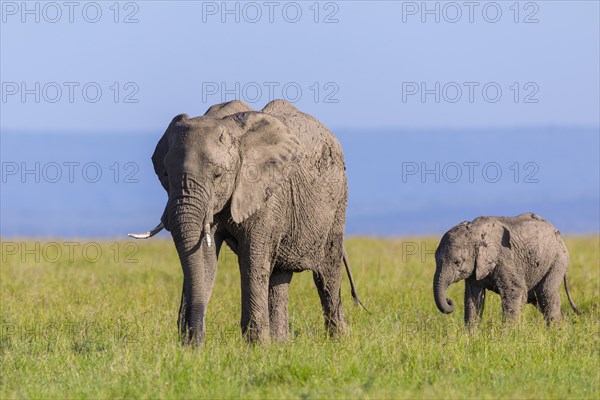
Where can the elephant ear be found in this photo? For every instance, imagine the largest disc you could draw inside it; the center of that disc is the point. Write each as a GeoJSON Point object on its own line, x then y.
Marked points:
{"type": "Point", "coordinates": [163, 147]}
{"type": "Point", "coordinates": [269, 153]}
{"type": "Point", "coordinates": [494, 241]}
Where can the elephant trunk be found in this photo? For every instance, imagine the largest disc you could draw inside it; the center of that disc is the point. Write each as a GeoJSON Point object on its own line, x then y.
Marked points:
{"type": "Point", "coordinates": [440, 285]}
{"type": "Point", "coordinates": [197, 263]}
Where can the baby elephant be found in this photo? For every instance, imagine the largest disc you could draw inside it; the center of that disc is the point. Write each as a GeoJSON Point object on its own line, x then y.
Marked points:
{"type": "Point", "coordinates": [522, 258]}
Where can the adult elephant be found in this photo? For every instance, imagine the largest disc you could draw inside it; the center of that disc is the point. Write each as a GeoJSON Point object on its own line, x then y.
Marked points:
{"type": "Point", "coordinates": [272, 185]}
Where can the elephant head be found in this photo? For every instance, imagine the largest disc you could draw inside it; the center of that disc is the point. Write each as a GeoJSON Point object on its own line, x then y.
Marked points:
{"type": "Point", "coordinates": [232, 159]}
{"type": "Point", "coordinates": [470, 249]}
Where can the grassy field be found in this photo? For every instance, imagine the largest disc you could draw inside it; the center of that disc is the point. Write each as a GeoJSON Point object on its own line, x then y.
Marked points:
{"type": "Point", "coordinates": [77, 322]}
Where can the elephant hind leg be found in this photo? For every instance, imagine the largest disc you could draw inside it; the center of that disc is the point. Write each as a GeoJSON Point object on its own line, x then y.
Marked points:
{"type": "Point", "coordinates": [328, 276]}
{"type": "Point", "coordinates": [329, 288]}
{"type": "Point", "coordinates": [550, 307]}
{"type": "Point", "coordinates": [548, 297]}
{"type": "Point", "coordinates": [328, 279]}
{"type": "Point", "coordinates": [278, 304]}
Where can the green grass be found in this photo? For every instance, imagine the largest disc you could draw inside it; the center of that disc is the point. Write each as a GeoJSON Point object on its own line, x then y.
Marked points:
{"type": "Point", "coordinates": [107, 328]}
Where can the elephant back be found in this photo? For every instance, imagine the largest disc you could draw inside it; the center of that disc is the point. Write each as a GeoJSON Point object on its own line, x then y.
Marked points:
{"type": "Point", "coordinates": [222, 110]}
{"type": "Point", "coordinates": [319, 145]}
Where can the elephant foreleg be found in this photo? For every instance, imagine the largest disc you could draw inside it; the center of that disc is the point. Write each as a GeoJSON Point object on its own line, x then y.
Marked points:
{"type": "Point", "coordinates": [182, 311]}
{"type": "Point", "coordinates": [278, 304]}
{"type": "Point", "coordinates": [255, 299]}
{"type": "Point", "coordinates": [474, 302]}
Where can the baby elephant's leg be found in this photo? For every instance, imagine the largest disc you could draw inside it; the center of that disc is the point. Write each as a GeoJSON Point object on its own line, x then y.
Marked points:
{"type": "Point", "coordinates": [513, 291]}
{"type": "Point", "coordinates": [474, 302]}
{"type": "Point", "coordinates": [548, 297]}
{"type": "Point", "coordinates": [512, 302]}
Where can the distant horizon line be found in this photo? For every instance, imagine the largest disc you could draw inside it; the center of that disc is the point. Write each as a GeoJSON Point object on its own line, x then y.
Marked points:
{"type": "Point", "coordinates": [125, 238]}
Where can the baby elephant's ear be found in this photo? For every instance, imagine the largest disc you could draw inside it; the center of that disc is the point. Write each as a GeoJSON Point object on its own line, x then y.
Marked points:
{"type": "Point", "coordinates": [493, 241]}
{"type": "Point", "coordinates": [269, 153]}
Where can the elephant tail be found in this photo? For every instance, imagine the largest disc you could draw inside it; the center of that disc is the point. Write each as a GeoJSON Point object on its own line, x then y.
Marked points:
{"type": "Point", "coordinates": [573, 306]}
{"type": "Point", "coordinates": [352, 287]}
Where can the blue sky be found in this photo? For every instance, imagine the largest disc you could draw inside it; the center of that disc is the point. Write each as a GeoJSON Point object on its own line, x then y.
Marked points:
{"type": "Point", "coordinates": [367, 55]}
{"type": "Point", "coordinates": [496, 83]}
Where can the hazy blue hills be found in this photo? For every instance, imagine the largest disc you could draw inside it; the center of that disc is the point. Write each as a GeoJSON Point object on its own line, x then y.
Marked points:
{"type": "Point", "coordinates": [401, 181]}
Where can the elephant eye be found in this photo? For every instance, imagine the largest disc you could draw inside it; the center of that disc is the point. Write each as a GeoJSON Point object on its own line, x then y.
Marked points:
{"type": "Point", "coordinates": [458, 262]}
{"type": "Point", "coordinates": [218, 173]}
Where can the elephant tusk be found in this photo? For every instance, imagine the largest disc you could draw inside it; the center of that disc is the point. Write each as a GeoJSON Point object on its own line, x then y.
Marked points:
{"type": "Point", "coordinates": [147, 235]}
{"type": "Point", "coordinates": [207, 233]}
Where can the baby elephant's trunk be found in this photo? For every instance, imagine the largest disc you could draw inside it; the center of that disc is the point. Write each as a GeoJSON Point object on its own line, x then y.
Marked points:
{"type": "Point", "coordinates": [440, 285]}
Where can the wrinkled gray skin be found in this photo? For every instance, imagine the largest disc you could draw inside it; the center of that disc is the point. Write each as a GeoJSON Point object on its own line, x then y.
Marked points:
{"type": "Point", "coordinates": [522, 258]}
{"type": "Point", "coordinates": [272, 185]}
